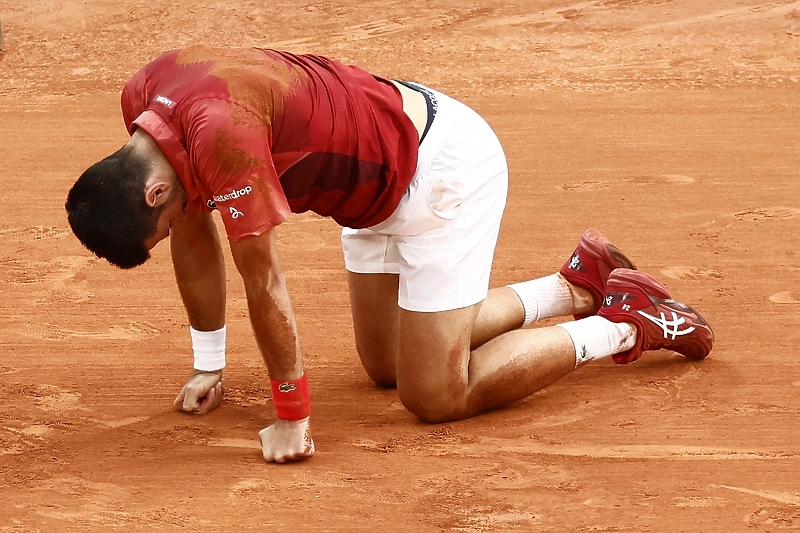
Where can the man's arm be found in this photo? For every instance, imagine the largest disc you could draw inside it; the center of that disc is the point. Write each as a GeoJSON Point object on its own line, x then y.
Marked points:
{"type": "Point", "coordinates": [200, 274]}
{"type": "Point", "coordinates": [275, 329]}
{"type": "Point", "coordinates": [271, 312]}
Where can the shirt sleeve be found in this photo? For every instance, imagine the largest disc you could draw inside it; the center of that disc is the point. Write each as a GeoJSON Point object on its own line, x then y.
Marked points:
{"type": "Point", "coordinates": [230, 150]}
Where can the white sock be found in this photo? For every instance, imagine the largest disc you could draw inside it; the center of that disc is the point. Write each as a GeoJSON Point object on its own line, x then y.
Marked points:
{"type": "Point", "coordinates": [596, 337]}
{"type": "Point", "coordinates": [544, 298]}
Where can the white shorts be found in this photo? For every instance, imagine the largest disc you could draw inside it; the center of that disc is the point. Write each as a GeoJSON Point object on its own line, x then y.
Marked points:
{"type": "Point", "coordinates": [442, 236]}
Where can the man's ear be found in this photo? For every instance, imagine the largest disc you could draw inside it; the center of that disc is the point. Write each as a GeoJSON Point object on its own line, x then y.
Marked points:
{"type": "Point", "coordinates": [156, 193]}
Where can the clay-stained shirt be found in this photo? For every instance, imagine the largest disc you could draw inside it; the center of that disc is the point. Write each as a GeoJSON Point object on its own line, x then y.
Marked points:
{"type": "Point", "coordinates": [258, 134]}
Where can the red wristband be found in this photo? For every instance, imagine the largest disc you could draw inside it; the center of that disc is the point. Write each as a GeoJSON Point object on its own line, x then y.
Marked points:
{"type": "Point", "coordinates": [291, 398]}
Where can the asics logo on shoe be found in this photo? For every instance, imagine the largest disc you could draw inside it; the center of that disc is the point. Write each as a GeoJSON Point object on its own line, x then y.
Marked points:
{"type": "Point", "coordinates": [575, 263]}
{"type": "Point", "coordinates": [671, 328]}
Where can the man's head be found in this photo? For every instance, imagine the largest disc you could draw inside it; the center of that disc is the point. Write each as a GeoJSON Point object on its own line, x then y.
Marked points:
{"type": "Point", "coordinates": [122, 206]}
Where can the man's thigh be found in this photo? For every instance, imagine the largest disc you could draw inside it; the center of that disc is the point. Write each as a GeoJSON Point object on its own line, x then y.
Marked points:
{"type": "Point", "coordinates": [433, 357]}
{"type": "Point", "coordinates": [373, 301]}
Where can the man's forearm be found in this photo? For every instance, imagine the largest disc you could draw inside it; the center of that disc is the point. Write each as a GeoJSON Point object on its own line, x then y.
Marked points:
{"type": "Point", "coordinates": [275, 328]}
{"type": "Point", "coordinates": [271, 312]}
{"type": "Point", "coordinates": [200, 271]}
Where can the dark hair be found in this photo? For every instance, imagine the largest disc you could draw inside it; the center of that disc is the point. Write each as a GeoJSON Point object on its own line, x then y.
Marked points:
{"type": "Point", "coordinates": [107, 211]}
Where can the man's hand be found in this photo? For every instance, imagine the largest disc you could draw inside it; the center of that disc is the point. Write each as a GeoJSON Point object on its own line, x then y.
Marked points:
{"type": "Point", "coordinates": [202, 393]}
{"type": "Point", "coordinates": [286, 440]}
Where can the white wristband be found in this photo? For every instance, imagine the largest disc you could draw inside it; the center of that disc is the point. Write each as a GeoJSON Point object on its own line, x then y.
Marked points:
{"type": "Point", "coordinates": [209, 349]}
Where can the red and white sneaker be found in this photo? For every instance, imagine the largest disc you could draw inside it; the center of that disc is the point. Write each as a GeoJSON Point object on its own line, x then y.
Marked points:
{"type": "Point", "coordinates": [661, 322]}
{"type": "Point", "coordinates": [593, 260]}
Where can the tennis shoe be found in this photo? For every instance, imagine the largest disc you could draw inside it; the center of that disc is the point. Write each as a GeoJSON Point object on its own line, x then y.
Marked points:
{"type": "Point", "coordinates": [661, 322]}
{"type": "Point", "coordinates": [593, 260]}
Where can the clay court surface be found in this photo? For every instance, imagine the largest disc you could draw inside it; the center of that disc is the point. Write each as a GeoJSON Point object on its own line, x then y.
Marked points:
{"type": "Point", "coordinates": [672, 126]}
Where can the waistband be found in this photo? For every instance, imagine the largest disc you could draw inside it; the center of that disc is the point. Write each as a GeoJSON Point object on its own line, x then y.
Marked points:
{"type": "Point", "coordinates": [447, 113]}
{"type": "Point", "coordinates": [430, 100]}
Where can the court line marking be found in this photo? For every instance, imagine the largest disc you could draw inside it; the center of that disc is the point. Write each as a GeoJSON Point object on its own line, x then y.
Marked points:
{"type": "Point", "coordinates": [235, 443]}
{"type": "Point", "coordinates": [781, 497]}
{"type": "Point", "coordinates": [637, 451]}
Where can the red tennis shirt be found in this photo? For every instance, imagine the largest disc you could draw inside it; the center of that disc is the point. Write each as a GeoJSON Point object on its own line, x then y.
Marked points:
{"type": "Point", "coordinates": [258, 134]}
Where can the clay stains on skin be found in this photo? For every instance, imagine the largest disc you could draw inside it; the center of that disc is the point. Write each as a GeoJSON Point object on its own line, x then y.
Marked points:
{"type": "Point", "coordinates": [283, 334]}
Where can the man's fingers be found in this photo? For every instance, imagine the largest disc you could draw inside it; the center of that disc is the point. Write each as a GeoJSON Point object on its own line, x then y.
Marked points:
{"type": "Point", "coordinates": [265, 435]}
{"type": "Point", "coordinates": [190, 402]}
{"type": "Point", "coordinates": [178, 403]}
{"type": "Point", "coordinates": [293, 457]}
{"type": "Point", "coordinates": [273, 452]}
{"type": "Point", "coordinates": [204, 402]}
{"type": "Point", "coordinates": [212, 400]}
{"type": "Point", "coordinates": [308, 451]}
{"type": "Point", "coordinates": [198, 396]}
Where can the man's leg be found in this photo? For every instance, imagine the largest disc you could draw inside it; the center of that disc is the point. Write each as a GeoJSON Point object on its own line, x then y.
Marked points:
{"type": "Point", "coordinates": [576, 290]}
{"type": "Point", "coordinates": [439, 379]}
{"type": "Point", "coordinates": [458, 363]}
{"type": "Point", "coordinates": [373, 301]}
{"type": "Point", "coordinates": [454, 364]}
{"type": "Point", "coordinates": [502, 310]}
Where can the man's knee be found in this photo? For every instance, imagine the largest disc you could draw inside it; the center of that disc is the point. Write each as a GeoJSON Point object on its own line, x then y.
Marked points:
{"type": "Point", "coordinates": [430, 406]}
{"type": "Point", "coordinates": [380, 366]}
{"type": "Point", "coordinates": [382, 376]}
{"type": "Point", "coordinates": [432, 362]}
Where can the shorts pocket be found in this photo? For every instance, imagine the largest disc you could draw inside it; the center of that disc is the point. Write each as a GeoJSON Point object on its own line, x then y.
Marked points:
{"type": "Point", "coordinates": [445, 197]}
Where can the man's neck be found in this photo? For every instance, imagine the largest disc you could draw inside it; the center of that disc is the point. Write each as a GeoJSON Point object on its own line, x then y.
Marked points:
{"type": "Point", "coordinates": [145, 145]}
